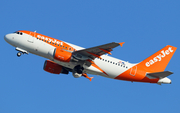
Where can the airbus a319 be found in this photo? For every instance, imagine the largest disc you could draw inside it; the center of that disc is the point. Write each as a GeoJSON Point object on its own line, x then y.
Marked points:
{"type": "Point", "coordinates": [65, 57]}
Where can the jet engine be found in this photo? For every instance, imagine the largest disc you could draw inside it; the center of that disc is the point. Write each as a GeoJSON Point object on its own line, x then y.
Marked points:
{"type": "Point", "coordinates": [60, 55]}
{"type": "Point", "coordinates": [54, 68]}
{"type": "Point", "coordinates": [77, 71]}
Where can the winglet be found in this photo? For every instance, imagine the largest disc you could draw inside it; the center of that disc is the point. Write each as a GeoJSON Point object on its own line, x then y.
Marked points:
{"type": "Point", "coordinates": [121, 44]}
{"type": "Point", "coordinates": [90, 78]}
{"type": "Point", "coordinates": [86, 76]}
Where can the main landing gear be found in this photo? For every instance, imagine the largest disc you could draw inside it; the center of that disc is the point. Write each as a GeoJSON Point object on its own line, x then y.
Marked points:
{"type": "Point", "coordinates": [78, 72]}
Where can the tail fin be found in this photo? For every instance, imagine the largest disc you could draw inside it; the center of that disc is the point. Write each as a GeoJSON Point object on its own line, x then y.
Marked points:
{"type": "Point", "coordinates": [158, 61]}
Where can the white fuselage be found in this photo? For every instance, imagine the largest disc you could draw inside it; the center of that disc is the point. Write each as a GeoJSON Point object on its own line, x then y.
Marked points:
{"type": "Point", "coordinates": [65, 57]}
{"type": "Point", "coordinates": [109, 67]}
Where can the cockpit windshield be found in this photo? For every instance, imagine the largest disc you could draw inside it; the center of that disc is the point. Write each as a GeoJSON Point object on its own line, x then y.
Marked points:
{"type": "Point", "coordinates": [17, 32]}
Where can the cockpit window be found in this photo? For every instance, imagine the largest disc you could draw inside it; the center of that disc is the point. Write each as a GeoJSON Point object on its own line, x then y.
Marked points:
{"type": "Point", "coordinates": [20, 33]}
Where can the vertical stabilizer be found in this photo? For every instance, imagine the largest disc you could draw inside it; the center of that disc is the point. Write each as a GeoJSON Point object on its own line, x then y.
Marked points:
{"type": "Point", "coordinates": [158, 61]}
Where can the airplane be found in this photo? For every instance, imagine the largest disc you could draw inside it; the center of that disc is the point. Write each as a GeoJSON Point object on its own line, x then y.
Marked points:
{"type": "Point", "coordinates": [64, 57]}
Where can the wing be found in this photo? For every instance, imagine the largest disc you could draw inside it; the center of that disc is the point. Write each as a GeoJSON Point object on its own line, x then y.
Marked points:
{"type": "Point", "coordinates": [97, 51]}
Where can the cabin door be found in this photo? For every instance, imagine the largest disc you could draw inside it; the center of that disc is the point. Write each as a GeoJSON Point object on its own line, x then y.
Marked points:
{"type": "Point", "coordinates": [133, 70]}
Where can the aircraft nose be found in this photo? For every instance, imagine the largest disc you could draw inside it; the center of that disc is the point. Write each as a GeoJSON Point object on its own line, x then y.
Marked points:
{"type": "Point", "coordinates": [7, 38]}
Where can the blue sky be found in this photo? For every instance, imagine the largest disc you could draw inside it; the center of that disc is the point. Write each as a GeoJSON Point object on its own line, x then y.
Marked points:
{"type": "Point", "coordinates": [144, 26]}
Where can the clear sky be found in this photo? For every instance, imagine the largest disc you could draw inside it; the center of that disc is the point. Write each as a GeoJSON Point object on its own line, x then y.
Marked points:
{"type": "Point", "coordinates": [145, 26]}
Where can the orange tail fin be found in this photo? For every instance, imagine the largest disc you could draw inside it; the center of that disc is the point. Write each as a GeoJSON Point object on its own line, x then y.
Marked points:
{"type": "Point", "coordinates": [158, 61]}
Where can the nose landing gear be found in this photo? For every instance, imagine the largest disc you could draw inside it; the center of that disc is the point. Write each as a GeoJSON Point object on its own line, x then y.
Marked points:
{"type": "Point", "coordinates": [21, 51]}
{"type": "Point", "coordinates": [19, 54]}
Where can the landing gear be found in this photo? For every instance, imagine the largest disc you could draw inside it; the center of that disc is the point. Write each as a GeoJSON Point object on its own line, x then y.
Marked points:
{"type": "Point", "coordinates": [21, 51]}
{"type": "Point", "coordinates": [19, 54]}
{"type": "Point", "coordinates": [78, 72]}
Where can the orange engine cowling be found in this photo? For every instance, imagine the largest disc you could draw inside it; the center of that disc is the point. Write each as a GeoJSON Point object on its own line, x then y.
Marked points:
{"type": "Point", "coordinates": [52, 67]}
{"type": "Point", "coordinates": [62, 55]}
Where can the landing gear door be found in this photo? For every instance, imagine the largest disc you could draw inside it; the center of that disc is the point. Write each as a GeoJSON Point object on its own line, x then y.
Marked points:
{"type": "Point", "coordinates": [31, 37]}
{"type": "Point", "coordinates": [133, 71]}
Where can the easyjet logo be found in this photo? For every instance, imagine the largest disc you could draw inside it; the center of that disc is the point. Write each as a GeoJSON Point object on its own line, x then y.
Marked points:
{"type": "Point", "coordinates": [49, 39]}
{"type": "Point", "coordinates": [159, 57]}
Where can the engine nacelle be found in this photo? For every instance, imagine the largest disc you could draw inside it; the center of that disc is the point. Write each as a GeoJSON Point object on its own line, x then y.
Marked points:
{"type": "Point", "coordinates": [54, 68]}
{"type": "Point", "coordinates": [60, 55]}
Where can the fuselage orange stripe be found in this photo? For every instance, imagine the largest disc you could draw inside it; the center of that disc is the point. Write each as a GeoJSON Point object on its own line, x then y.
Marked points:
{"type": "Point", "coordinates": [52, 41]}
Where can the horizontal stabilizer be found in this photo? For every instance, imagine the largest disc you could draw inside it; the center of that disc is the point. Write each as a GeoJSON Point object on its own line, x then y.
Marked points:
{"type": "Point", "coordinates": [159, 74]}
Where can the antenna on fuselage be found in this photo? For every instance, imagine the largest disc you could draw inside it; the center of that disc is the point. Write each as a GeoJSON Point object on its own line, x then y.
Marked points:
{"type": "Point", "coordinates": [34, 33]}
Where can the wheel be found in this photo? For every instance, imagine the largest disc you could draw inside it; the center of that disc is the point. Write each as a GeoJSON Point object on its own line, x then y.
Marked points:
{"type": "Point", "coordinates": [19, 54]}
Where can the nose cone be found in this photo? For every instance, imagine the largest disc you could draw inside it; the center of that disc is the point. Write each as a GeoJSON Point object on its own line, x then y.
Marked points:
{"type": "Point", "coordinates": [7, 38]}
